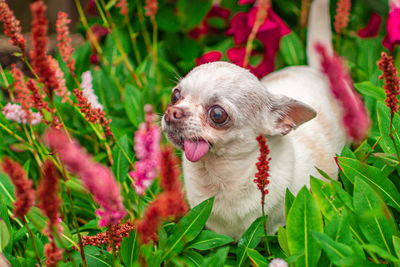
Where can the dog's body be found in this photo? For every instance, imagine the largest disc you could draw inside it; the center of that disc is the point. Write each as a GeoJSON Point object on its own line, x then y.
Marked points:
{"type": "Point", "coordinates": [225, 107]}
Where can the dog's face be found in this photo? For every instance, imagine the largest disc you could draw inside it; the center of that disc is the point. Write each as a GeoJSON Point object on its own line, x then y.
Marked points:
{"type": "Point", "coordinates": [220, 108]}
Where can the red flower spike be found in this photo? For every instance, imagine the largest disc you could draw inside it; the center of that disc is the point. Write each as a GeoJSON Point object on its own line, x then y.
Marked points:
{"type": "Point", "coordinates": [209, 57]}
{"type": "Point", "coordinates": [53, 254]}
{"type": "Point", "coordinates": [391, 80]}
{"type": "Point", "coordinates": [64, 40]}
{"type": "Point", "coordinates": [123, 5]}
{"type": "Point", "coordinates": [263, 168]}
{"type": "Point", "coordinates": [372, 28]}
{"type": "Point", "coordinates": [22, 93]}
{"type": "Point", "coordinates": [12, 26]}
{"type": "Point", "coordinates": [151, 8]}
{"type": "Point", "coordinates": [342, 15]}
{"type": "Point", "coordinates": [24, 193]}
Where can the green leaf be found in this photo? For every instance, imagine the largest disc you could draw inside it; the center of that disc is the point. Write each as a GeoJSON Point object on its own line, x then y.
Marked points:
{"type": "Point", "coordinates": [256, 258]}
{"type": "Point", "coordinates": [250, 239]}
{"type": "Point", "coordinates": [121, 165]}
{"type": "Point", "coordinates": [218, 259]}
{"type": "Point", "coordinates": [191, 13]}
{"type": "Point", "coordinates": [380, 252]}
{"type": "Point", "coordinates": [6, 189]}
{"type": "Point", "coordinates": [354, 168]}
{"type": "Point", "coordinates": [129, 249]}
{"type": "Point", "coordinates": [396, 245]}
{"type": "Point", "coordinates": [292, 49]}
{"type": "Point", "coordinates": [374, 217]}
{"type": "Point", "coordinates": [344, 196]}
{"type": "Point", "coordinates": [304, 219]}
{"type": "Point", "coordinates": [289, 198]}
{"type": "Point", "coordinates": [325, 195]}
{"type": "Point", "coordinates": [386, 142]}
{"type": "Point", "coordinates": [367, 88]}
{"type": "Point", "coordinates": [282, 239]}
{"type": "Point", "coordinates": [208, 240]}
{"type": "Point", "coordinates": [338, 228]}
{"type": "Point", "coordinates": [193, 258]}
{"type": "Point", "coordinates": [188, 228]}
{"type": "Point", "coordinates": [334, 250]}
{"type": "Point", "coordinates": [4, 235]}
{"type": "Point", "coordinates": [133, 103]}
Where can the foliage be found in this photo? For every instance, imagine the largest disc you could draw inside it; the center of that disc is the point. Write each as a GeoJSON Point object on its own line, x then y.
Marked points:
{"type": "Point", "coordinates": [352, 221]}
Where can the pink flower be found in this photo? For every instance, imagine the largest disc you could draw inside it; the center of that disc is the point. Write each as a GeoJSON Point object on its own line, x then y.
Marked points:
{"type": "Point", "coordinates": [87, 90]}
{"type": "Point", "coordinates": [96, 178]}
{"type": "Point", "coordinates": [204, 27]}
{"type": "Point", "coordinates": [355, 117]}
{"type": "Point", "coordinates": [269, 34]}
{"type": "Point", "coordinates": [14, 112]}
{"type": "Point", "coordinates": [209, 57]}
{"type": "Point", "coordinates": [147, 148]}
{"type": "Point", "coordinates": [392, 26]}
{"type": "Point", "coordinates": [245, 2]}
{"type": "Point", "coordinates": [372, 28]}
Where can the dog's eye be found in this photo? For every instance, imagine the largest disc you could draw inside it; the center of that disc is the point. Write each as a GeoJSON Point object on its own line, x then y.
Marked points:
{"type": "Point", "coordinates": [218, 115]}
{"type": "Point", "coordinates": [175, 96]}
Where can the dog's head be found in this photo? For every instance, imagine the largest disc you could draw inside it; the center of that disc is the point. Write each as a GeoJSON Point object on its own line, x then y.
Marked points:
{"type": "Point", "coordinates": [222, 108]}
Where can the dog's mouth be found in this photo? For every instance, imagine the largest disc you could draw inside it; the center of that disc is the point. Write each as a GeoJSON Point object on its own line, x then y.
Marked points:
{"type": "Point", "coordinates": [194, 148]}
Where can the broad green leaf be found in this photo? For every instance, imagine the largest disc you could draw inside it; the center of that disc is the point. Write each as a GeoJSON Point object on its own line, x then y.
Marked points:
{"type": "Point", "coordinates": [396, 244]}
{"type": "Point", "coordinates": [193, 258]}
{"type": "Point", "coordinates": [343, 194]}
{"type": "Point", "coordinates": [354, 168]}
{"type": "Point", "coordinates": [386, 142]}
{"type": "Point", "coordinates": [4, 235]}
{"type": "Point", "coordinates": [250, 239]}
{"type": "Point", "coordinates": [338, 228]}
{"type": "Point", "coordinates": [208, 240]}
{"type": "Point", "coordinates": [282, 239]}
{"type": "Point", "coordinates": [292, 49]}
{"type": "Point", "coordinates": [388, 159]}
{"type": "Point", "coordinates": [188, 228]}
{"type": "Point", "coordinates": [75, 185]}
{"type": "Point", "coordinates": [367, 88]}
{"type": "Point", "coordinates": [289, 198]}
{"type": "Point", "coordinates": [304, 219]}
{"type": "Point", "coordinates": [374, 217]}
{"type": "Point", "coordinates": [191, 13]}
{"type": "Point", "coordinates": [380, 252]}
{"type": "Point", "coordinates": [325, 195]}
{"type": "Point", "coordinates": [256, 258]}
{"type": "Point", "coordinates": [218, 259]}
{"type": "Point", "coordinates": [129, 249]}
{"type": "Point", "coordinates": [121, 165]}
{"type": "Point", "coordinates": [6, 189]}
{"type": "Point", "coordinates": [334, 250]}
{"type": "Point", "coordinates": [133, 102]}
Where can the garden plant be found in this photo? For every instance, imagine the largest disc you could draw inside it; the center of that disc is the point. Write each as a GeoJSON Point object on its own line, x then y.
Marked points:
{"type": "Point", "coordinates": [88, 179]}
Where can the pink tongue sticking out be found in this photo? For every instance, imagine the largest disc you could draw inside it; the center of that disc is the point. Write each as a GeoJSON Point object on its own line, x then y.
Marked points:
{"type": "Point", "coordinates": [195, 150]}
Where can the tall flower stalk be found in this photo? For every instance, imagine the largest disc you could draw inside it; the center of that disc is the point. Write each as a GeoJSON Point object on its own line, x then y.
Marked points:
{"type": "Point", "coordinates": [12, 26]}
{"type": "Point", "coordinates": [392, 90]}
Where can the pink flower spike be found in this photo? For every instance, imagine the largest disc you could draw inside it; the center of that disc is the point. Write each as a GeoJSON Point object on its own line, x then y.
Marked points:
{"type": "Point", "coordinates": [372, 28]}
{"type": "Point", "coordinates": [355, 117]}
{"type": "Point", "coordinates": [147, 148]}
{"type": "Point", "coordinates": [97, 179]}
{"type": "Point", "coordinates": [209, 57]}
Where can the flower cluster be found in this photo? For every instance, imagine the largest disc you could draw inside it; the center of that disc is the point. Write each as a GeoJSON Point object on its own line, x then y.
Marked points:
{"type": "Point", "coordinates": [147, 147]}
{"type": "Point", "coordinates": [49, 203]}
{"type": "Point", "coordinates": [123, 5]}
{"type": "Point", "coordinates": [112, 237]}
{"type": "Point", "coordinates": [21, 92]}
{"type": "Point", "coordinates": [342, 15]}
{"type": "Point", "coordinates": [24, 193]}
{"type": "Point", "coordinates": [15, 112]}
{"type": "Point", "coordinates": [11, 26]}
{"type": "Point", "coordinates": [96, 178]}
{"type": "Point", "coordinates": [390, 76]}
{"type": "Point", "coordinates": [87, 90]}
{"type": "Point", "coordinates": [355, 117]}
{"type": "Point", "coordinates": [269, 33]}
{"type": "Point", "coordinates": [64, 40]}
{"type": "Point", "coordinates": [151, 8]}
{"type": "Point", "coordinates": [169, 204]}
{"type": "Point", "coordinates": [263, 168]}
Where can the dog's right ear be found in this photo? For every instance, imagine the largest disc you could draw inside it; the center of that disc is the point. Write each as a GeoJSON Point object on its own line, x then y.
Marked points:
{"type": "Point", "coordinates": [286, 114]}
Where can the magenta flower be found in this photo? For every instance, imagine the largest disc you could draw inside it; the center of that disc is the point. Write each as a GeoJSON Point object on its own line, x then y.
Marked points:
{"type": "Point", "coordinates": [392, 26]}
{"type": "Point", "coordinates": [209, 57]}
{"type": "Point", "coordinates": [372, 28]}
{"type": "Point", "coordinates": [204, 27]}
{"type": "Point", "coordinates": [355, 117]}
{"type": "Point", "coordinates": [97, 179]}
{"type": "Point", "coordinates": [147, 148]}
{"type": "Point", "coordinates": [269, 34]}
{"type": "Point", "coordinates": [245, 2]}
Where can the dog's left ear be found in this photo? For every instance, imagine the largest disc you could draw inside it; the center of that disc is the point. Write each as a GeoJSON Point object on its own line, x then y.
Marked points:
{"type": "Point", "coordinates": [288, 114]}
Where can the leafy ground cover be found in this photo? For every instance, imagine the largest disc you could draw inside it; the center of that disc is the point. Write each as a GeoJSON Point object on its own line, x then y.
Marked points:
{"type": "Point", "coordinates": [103, 193]}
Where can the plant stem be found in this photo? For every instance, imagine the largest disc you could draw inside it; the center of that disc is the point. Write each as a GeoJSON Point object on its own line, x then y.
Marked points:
{"type": "Point", "coordinates": [391, 134]}
{"type": "Point", "coordinates": [33, 244]}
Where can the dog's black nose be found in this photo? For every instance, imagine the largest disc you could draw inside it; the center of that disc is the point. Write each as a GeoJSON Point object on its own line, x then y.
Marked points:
{"type": "Point", "coordinates": [174, 114]}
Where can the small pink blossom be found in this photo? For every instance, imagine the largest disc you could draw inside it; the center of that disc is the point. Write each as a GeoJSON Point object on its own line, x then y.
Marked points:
{"type": "Point", "coordinates": [147, 148]}
{"type": "Point", "coordinates": [209, 57]}
{"type": "Point", "coordinates": [372, 28]}
{"type": "Point", "coordinates": [97, 179]}
{"type": "Point", "coordinates": [87, 89]}
{"type": "Point", "coordinates": [14, 112]}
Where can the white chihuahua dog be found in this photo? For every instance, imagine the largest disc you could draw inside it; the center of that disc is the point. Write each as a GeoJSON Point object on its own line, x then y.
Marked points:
{"type": "Point", "coordinates": [219, 109]}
